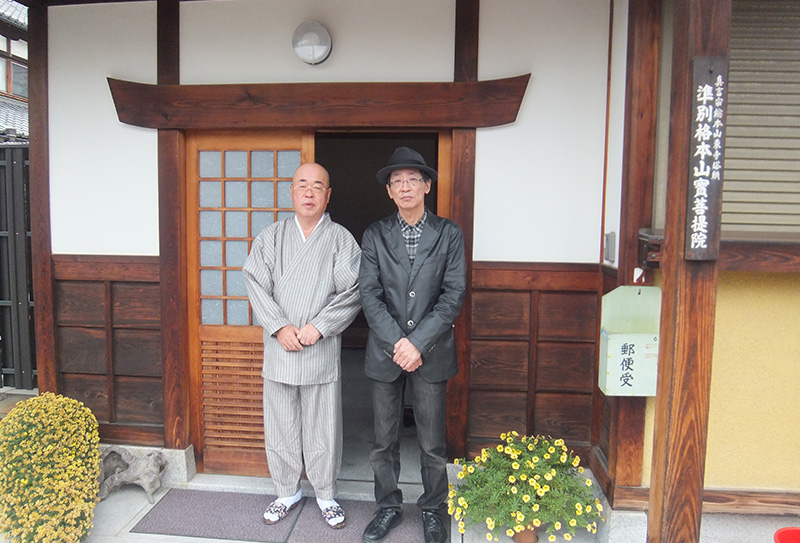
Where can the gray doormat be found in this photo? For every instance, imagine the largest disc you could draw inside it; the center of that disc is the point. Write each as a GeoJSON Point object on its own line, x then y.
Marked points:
{"type": "Point", "coordinates": [237, 517]}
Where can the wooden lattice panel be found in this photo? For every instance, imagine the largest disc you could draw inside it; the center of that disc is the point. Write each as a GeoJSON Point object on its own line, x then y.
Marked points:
{"type": "Point", "coordinates": [232, 395]}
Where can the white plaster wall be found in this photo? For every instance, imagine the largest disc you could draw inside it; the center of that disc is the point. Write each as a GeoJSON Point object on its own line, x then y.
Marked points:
{"type": "Point", "coordinates": [539, 182]}
{"type": "Point", "coordinates": [103, 174]}
{"type": "Point", "coordinates": [616, 126]}
{"type": "Point", "coordinates": [250, 41]}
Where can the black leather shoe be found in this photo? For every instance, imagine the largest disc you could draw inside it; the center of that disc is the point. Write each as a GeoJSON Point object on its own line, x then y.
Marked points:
{"type": "Point", "coordinates": [434, 529]}
{"type": "Point", "coordinates": [380, 526]}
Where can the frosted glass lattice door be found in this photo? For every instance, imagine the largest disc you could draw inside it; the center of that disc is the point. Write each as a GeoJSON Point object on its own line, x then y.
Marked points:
{"type": "Point", "coordinates": [240, 193]}
{"type": "Point", "coordinates": [237, 183]}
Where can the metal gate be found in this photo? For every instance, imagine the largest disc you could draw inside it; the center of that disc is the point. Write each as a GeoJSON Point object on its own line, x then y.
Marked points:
{"type": "Point", "coordinates": [17, 348]}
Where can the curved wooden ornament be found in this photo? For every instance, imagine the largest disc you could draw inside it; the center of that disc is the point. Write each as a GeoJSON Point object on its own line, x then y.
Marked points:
{"type": "Point", "coordinates": [473, 104]}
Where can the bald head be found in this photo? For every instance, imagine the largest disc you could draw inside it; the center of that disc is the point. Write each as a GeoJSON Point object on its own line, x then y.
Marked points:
{"type": "Point", "coordinates": [311, 191]}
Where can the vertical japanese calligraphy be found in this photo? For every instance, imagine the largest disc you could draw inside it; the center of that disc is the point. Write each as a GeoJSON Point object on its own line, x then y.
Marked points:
{"type": "Point", "coordinates": [706, 153]}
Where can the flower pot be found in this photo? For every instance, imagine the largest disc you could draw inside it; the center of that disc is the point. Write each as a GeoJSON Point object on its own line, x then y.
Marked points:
{"type": "Point", "coordinates": [527, 535]}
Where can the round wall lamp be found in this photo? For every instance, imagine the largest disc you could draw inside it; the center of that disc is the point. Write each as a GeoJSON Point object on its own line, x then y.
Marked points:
{"type": "Point", "coordinates": [312, 42]}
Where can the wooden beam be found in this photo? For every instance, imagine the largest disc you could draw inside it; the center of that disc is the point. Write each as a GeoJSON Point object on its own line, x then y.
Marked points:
{"type": "Point", "coordinates": [471, 104]}
{"type": "Point", "coordinates": [701, 28]}
{"type": "Point", "coordinates": [760, 256]}
{"type": "Point", "coordinates": [641, 111]}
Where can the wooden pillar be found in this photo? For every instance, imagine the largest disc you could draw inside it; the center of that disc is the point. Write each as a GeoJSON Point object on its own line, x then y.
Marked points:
{"type": "Point", "coordinates": [463, 198]}
{"type": "Point", "coordinates": [39, 156]}
{"type": "Point", "coordinates": [641, 88]}
{"type": "Point", "coordinates": [171, 204]}
{"type": "Point", "coordinates": [701, 28]}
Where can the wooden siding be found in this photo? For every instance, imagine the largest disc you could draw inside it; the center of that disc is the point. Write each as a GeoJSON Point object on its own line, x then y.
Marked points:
{"type": "Point", "coordinates": [108, 343]}
{"type": "Point", "coordinates": [533, 351]}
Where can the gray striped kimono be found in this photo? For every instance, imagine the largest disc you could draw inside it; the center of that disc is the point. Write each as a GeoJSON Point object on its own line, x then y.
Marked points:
{"type": "Point", "coordinates": [294, 281]}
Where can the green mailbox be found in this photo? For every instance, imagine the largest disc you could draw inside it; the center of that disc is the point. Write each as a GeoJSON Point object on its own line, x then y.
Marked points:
{"type": "Point", "coordinates": [629, 322]}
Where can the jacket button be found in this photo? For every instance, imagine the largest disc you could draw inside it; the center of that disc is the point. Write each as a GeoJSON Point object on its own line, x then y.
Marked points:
{"type": "Point", "coordinates": [412, 294]}
{"type": "Point", "coordinates": [410, 323]}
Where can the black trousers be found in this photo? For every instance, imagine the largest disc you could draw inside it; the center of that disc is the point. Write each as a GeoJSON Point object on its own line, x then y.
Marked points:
{"type": "Point", "coordinates": [429, 404]}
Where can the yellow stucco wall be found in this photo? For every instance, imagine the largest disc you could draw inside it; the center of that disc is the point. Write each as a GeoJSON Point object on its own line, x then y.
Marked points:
{"type": "Point", "coordinates": [754, 418]}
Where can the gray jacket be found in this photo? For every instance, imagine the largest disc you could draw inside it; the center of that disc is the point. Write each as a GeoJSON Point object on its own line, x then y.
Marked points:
{"type": "Point", "coordinates": [420, 303]}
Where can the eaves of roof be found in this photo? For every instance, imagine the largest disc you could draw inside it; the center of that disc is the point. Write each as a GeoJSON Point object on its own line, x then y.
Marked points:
{"type": "Point", "coordinates": [14, 14]}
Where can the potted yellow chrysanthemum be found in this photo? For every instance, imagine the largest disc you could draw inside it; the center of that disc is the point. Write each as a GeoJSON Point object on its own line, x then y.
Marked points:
{"type": "Point", "coordinates": [525, 483]}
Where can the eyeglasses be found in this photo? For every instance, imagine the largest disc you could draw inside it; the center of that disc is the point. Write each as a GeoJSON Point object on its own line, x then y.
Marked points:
{"type": "Point", "coordinates": [412, 182]}
{"type": "Point", "coordinates": [316, 189]}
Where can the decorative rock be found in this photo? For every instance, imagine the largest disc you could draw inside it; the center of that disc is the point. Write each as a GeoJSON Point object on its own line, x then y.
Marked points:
{"type": "Point", "coordinates": [119, 467]}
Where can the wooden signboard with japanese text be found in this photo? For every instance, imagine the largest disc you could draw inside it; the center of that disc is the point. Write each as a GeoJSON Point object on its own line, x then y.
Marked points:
{"type": "Point", "coordinates": [706, 153]}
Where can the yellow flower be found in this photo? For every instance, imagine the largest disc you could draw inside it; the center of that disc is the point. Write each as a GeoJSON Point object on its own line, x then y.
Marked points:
{"type": "Point", "coordinates": [515, 465]}
{"type": "Point", "coordinates": [546, 456]}
{"type": "Point", "coordinates": [535, 507]}
{"type": "Point", "coordinates": [573, 522]}
{"type": "Point", "coordinates": [512, 479]}
{"type": "Point", "coordinates": [510, 532]}
{"type": "Point", "coordinates": [471, 469]}
{"type": "Point", "coordinates": [518, 528]}
{"type": "Point", "coordinates": [551, 538]}
{"type": "Point", "coordinates": [557, 525]}
{"type": "Point", "coordinates": [520, 517]}
{"type": "Point", "coordinates": [535, 459]}
{"type": "Point", "coordinates": [523, 477]}
{"type": "Point", "coordinates": [503, 435]}
{"type": "Point", "coordinates": [526, 498]}
{"type": "Point", "coordinates": [456, 461]}
{"type": "Point", "coordinates": [499, 448]}
{"type": "Point", "coordinates": [489, 536]}
{"type": "Point", "coordinates": [568, 537]}
{"type": "Point", "coordinates": [576, 461]}
{"type": "Point", "coordinates": [537, 522]}
{"type": "Point", "coordinates": [551, 450]}
{"type": "Point", "coordinates": [460, 475]}
{"type": "Point", "coordinates": [599, 507]}
{"type": "Point", "coordinates": [588, 482]}
{"type": "Point", "coordinates": [588, 508]}
{"type": "Point", "coordinates": [514, 490]}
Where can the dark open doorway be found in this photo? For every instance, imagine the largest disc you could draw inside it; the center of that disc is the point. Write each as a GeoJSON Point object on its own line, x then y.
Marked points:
{"type": "Point", "coordinates": [352, 159]}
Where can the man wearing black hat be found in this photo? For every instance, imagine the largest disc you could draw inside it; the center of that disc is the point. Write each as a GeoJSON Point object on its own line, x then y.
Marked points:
{"type": "Point", "coordinates": [412, 282]}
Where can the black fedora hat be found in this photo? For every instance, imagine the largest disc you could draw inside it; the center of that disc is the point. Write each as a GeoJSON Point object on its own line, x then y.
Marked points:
{"type": "Point", "coordinates": [404, 157]}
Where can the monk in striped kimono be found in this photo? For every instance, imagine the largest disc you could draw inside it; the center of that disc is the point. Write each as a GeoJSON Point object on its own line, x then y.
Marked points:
{"type": "Point", "coordinates": [301, 276]}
